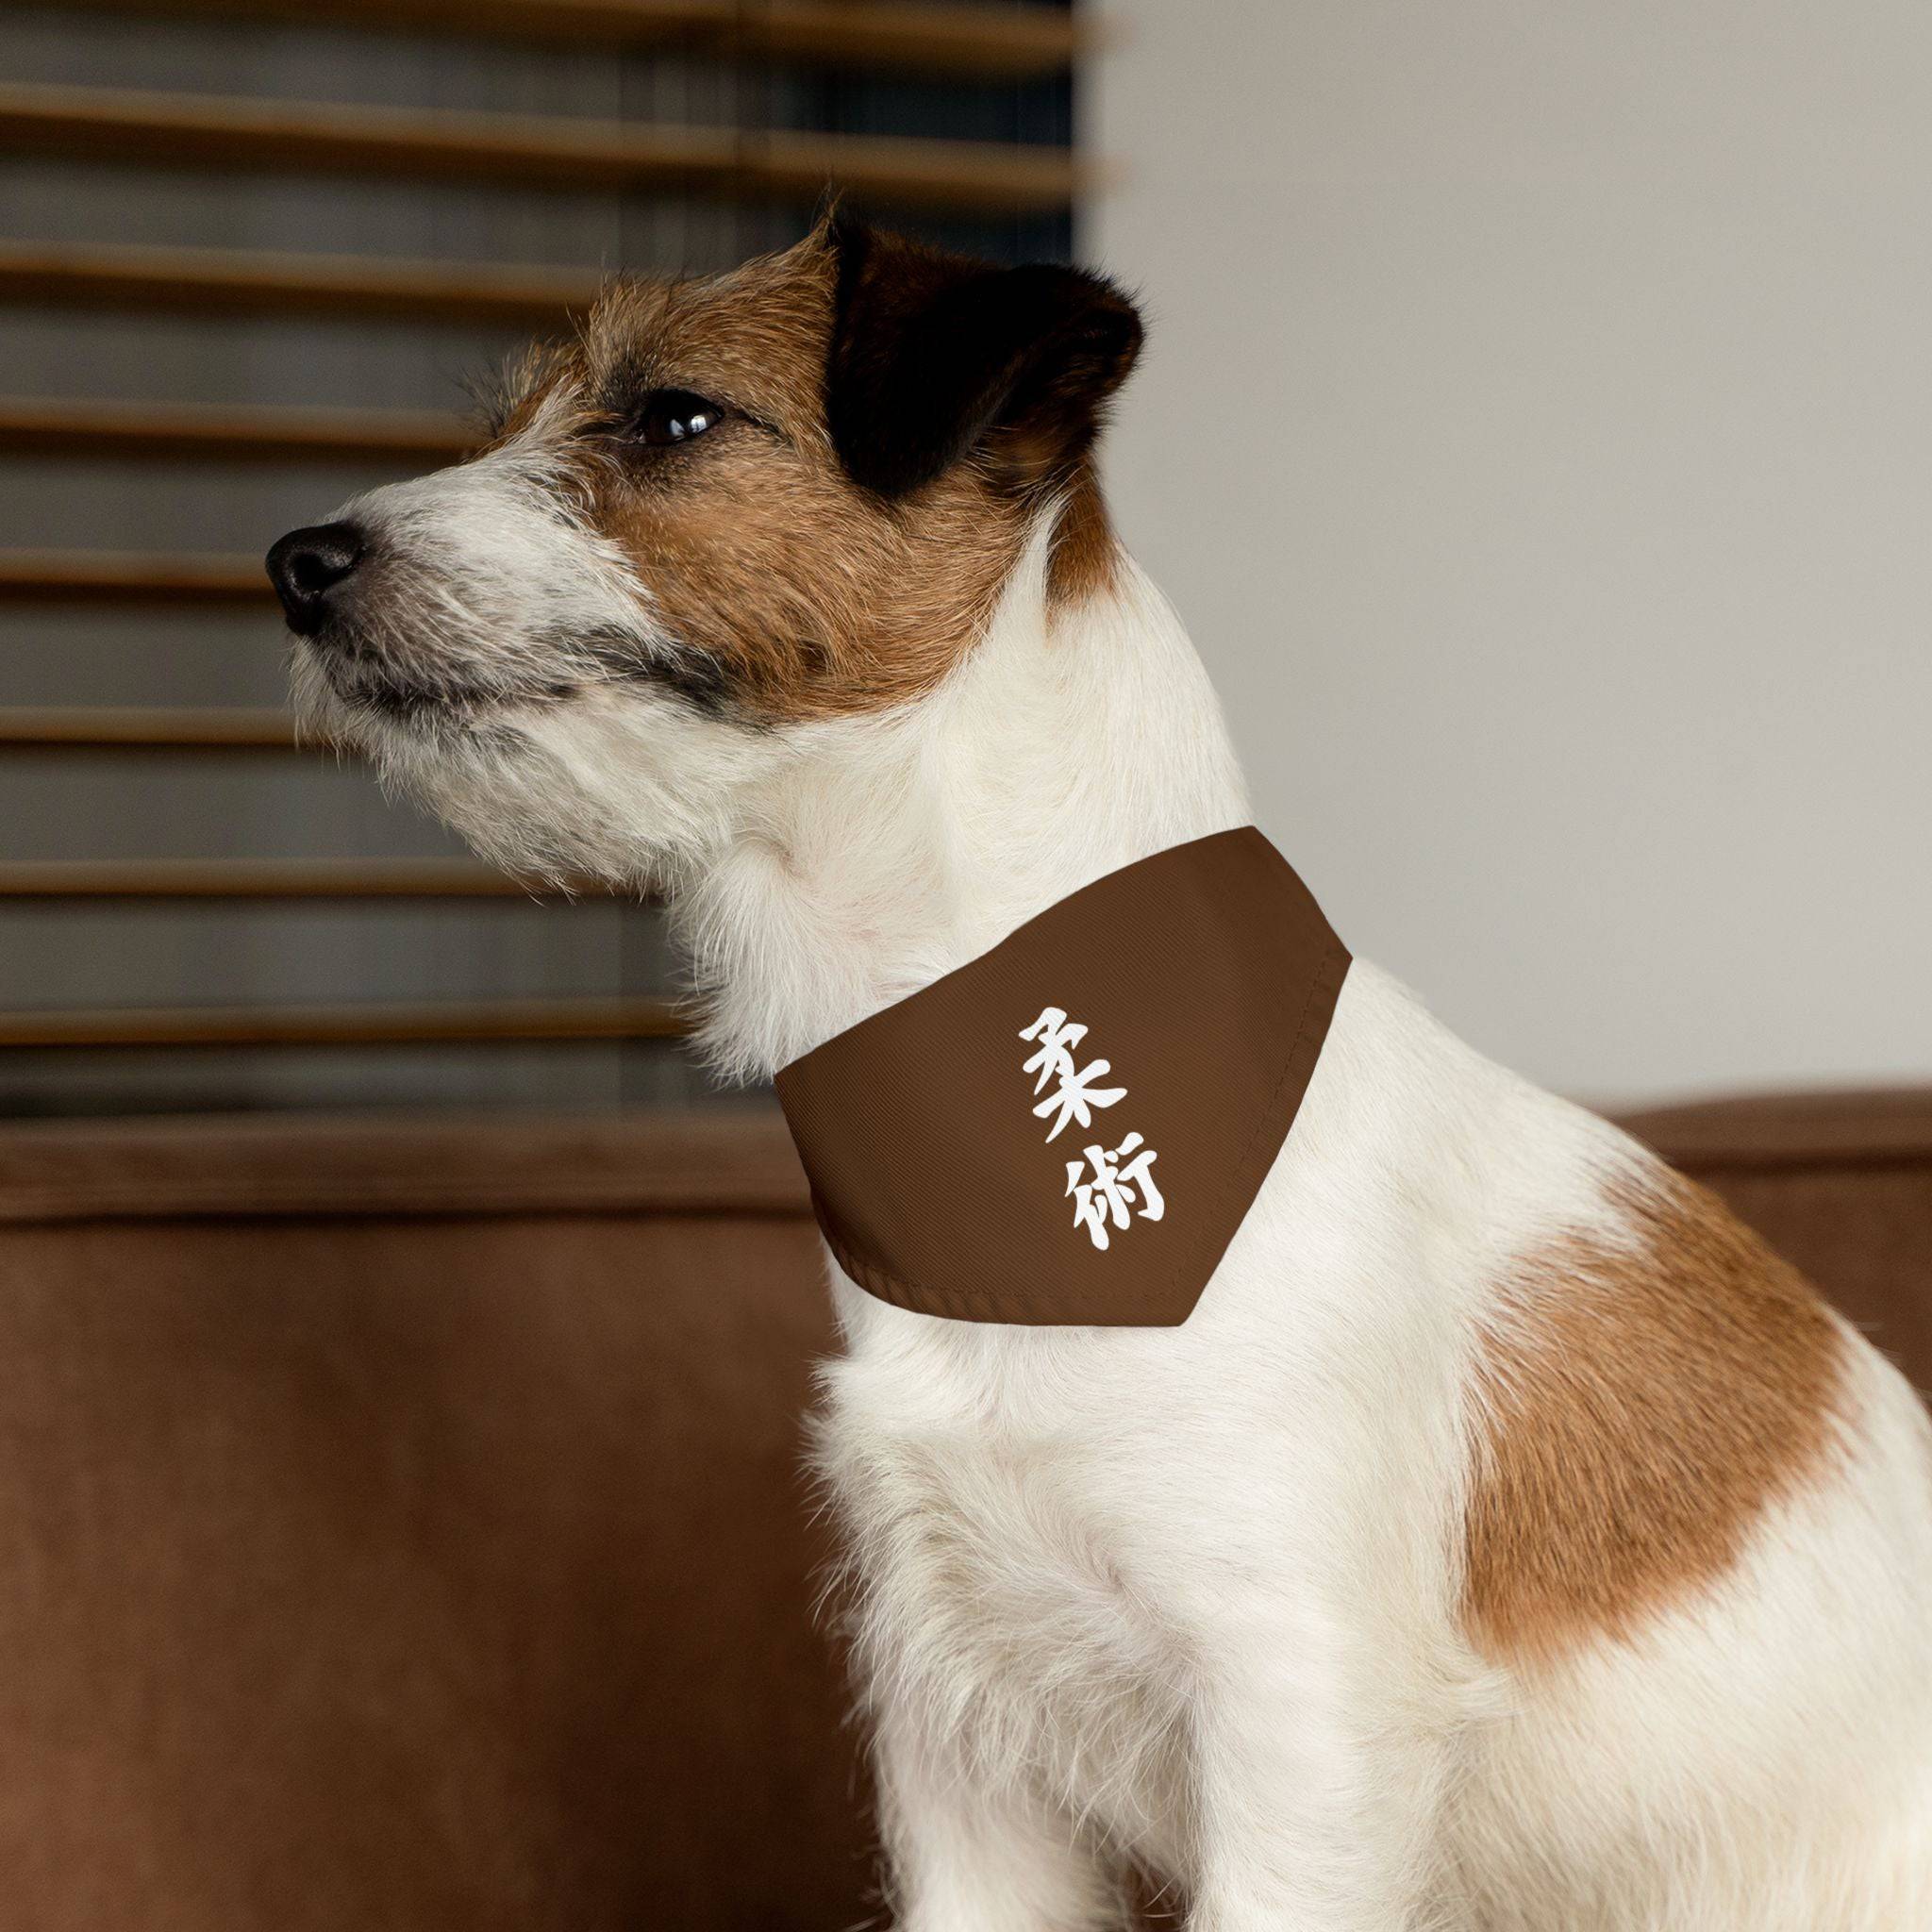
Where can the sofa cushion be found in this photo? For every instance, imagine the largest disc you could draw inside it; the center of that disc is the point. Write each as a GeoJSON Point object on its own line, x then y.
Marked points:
{"type": "Point", "coordinates": [404, 1525]}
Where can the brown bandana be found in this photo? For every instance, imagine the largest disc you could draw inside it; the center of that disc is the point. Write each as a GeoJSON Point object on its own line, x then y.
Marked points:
{"type": "Point", "coordinates": [1070, 1127]}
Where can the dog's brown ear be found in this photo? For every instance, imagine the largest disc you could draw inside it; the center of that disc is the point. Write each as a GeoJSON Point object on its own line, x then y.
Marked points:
{"type": "Point", "coordinates": [935, 355]}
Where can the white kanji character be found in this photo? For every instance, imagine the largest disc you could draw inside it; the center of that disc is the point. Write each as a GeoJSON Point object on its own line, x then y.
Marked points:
{"type": "Point", "coordinates": [1077, 1097]}
{"type": "Point", "coordinates": [1109, 1194]}
{"type": "Point", "coordinates": [1055, 1059]}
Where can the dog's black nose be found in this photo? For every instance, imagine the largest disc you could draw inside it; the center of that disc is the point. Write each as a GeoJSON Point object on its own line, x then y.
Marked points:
{"type": "Point", "coordinates": [306, 565]}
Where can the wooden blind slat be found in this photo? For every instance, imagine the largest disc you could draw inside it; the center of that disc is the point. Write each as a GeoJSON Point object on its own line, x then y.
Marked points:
{"type": "Point", "coordinates": [370, 1024]}
{"type": "Point", "coordinates": [1008, 42]}
{"type": "Point", "coordinates": [189, 432]}
{"type": "Point", "coordinates": [202, 130]}
{"type": "Point", "coordinates": [257, 879]}
{"type": "Point", "coordinates": [233, 281]}
{"type": "Point", "coordinates": [105, 727]}
{"type": "Point", "coordinates": [1012, 43]}
{"type": "Point", "coordinates": [116, 576]}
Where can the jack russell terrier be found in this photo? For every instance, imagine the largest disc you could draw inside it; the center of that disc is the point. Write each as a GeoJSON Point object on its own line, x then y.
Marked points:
{"type": "Point", "coordinates": [1505, 1540]}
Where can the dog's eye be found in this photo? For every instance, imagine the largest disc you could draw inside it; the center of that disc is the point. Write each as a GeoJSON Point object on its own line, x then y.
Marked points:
{"type": "Point", "coordinates": [675, 415]}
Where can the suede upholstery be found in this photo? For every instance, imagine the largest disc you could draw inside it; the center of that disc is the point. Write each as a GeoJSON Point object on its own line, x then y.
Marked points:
{"type": "Point", "coordinates": [402, 1523]}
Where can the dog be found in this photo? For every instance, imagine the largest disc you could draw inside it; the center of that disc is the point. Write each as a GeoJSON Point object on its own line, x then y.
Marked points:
{"type": "Point", "coordinates": [1507, 1541]}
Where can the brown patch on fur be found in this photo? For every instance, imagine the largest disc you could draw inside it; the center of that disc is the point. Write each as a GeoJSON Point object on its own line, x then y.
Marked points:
{"type": "Point", "coordinates": [795, 592]}
{"type": "Point", "coordinates": [1644, 1406]}
{"type": "Point", "coordinates": [810, 595]}
{"type": "Point", "coordinates": [1085, 556]}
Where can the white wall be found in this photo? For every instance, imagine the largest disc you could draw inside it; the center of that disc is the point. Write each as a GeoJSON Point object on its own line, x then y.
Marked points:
{"type": "Point", "coordinates": [1536, 430]}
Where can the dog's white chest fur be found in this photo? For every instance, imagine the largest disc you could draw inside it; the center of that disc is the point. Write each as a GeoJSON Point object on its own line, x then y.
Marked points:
{"type": "Point", "coordinates": [1002, 1591]}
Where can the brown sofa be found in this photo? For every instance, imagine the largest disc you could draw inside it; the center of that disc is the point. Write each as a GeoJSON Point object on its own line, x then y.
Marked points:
{"type": "Point", "coordinates": [403, 1526]}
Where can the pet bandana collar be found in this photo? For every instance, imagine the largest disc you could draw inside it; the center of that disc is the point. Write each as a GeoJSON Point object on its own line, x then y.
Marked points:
{"type": "Point", "coordinates": [1070, 1128]}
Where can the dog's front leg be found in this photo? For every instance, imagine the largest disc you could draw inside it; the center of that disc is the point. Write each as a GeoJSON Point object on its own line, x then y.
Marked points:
{"type": "Point", "coordinates": [1317, 1788]}
{"type": "Point", "coordinates": [963, 1857]}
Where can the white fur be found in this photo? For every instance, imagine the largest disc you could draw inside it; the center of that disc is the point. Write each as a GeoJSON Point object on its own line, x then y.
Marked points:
{"type": "Point", "coordinates": [1188, 1597]}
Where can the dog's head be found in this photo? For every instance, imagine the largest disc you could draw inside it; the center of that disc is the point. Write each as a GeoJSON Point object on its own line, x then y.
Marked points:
{"type": "Point", "coordinates": [732, 509]}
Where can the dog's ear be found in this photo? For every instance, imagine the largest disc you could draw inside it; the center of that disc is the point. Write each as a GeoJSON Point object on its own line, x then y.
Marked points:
{"type": "Point", "coordinates": [934, 356]}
